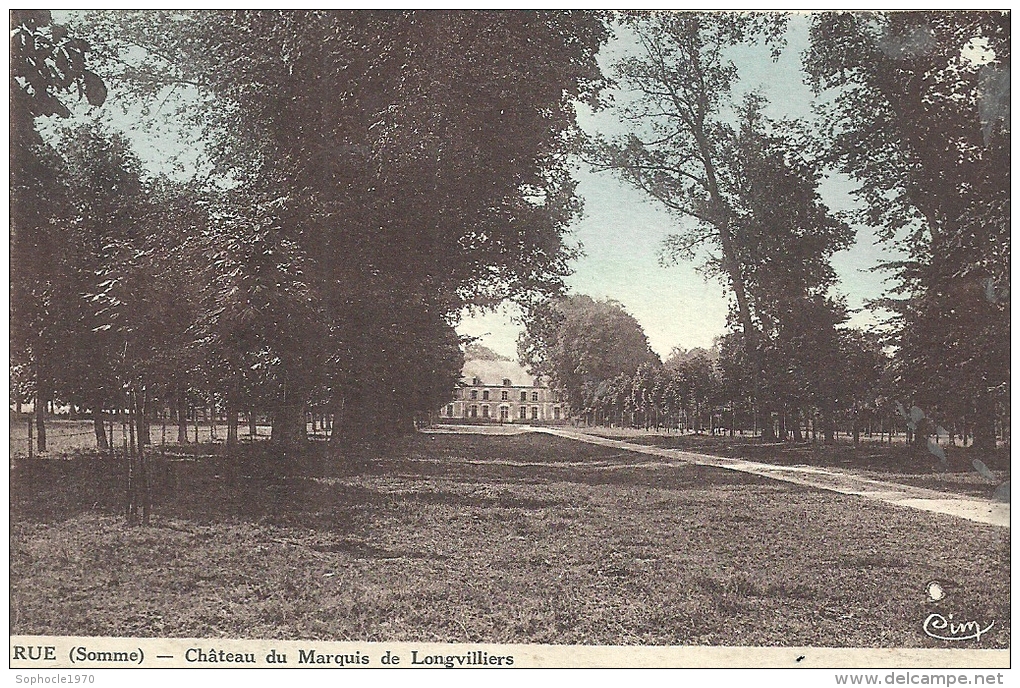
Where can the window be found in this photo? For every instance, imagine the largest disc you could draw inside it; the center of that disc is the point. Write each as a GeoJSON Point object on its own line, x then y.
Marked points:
{"type": "Point", "coordinates": [556, 396]}
{"type": "Point", "coordinates": [523, 411]}
{"type": "Point", "coordinates": [474, 394]}
{"type": "Point", "coordinates": [504, 395]}
{"type": "Point", "coordinates": [485, 395]}
{"type": "Point", "coordinates": [506, 382]}
{"type": "Point", "coordinates": [534, 396]}
{"type": "Point", "coordinates": [449, 410]}
{"type": "Point", "coordinates": [534, 413]}
{"type": "Point", "coordinates": [524, 397]}
{"type": "Point", "coordinates": [474, 411]}
{"type": "Point", "coordinates": [485, 410]}
{"type": "Point", "coordinates": [556, 413]}
{"type": "Point", "coordinates": [504, 414]}
{"type": "Point", "coordinates": [475, 382]}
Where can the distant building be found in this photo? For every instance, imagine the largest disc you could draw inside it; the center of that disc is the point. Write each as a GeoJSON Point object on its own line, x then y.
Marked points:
{"type": "Point", "coordinates": [502, 392]}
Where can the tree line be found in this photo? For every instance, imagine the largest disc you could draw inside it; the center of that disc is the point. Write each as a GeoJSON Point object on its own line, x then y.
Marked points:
{"type": "Point", "coordinates": [913, 108]}
{"type": "Point", "coordinates": [366, 176]}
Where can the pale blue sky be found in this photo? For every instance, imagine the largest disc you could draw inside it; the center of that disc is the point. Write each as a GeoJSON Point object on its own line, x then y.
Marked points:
{"type": "Point", "coordinates": [622, 230]}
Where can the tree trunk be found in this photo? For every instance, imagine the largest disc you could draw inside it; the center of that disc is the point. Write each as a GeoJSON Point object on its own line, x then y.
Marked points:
{"type": "Point", "coordinates": [131, 424]}
{"type": "Point", "coordinates": [796, 417]}
{"type": "Point", "coordinates": [289, 426]}
{"type": "Point", "coordinates": [144, 438]}
{"type": "Point", "coordinates": [983, 425]}
{"type": "Point", "coordinates": [337, 407]}
{"type": "Point", "coordinates": [100, 429]}
{"type": "Point", "coordinates": [40, 422]}
{"type": "Point", "coordinates": [768, 426]}
{"type": "Point", "coordinates": [143, 496]}
{"type": "Point", "coordinates": [828, 426]}
{"type": "Point", "coordinates": [231, 424]}
{"type": "Point", "coordinates": [182, 419]}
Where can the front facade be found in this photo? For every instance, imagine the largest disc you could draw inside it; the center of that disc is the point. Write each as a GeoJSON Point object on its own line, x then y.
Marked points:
{"type": "Point", "coordinates": [502, 392]}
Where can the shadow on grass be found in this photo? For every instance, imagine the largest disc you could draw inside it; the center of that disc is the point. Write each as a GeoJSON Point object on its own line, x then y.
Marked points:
{"type": "Point", "coordinates": [325, 492]}
{"type": "Point", "coordinates": [364, 550]}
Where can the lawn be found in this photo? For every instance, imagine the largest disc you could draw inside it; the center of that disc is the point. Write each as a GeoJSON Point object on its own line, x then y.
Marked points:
{"type": "Point", "coordinates": [489, 538]}
{"type": "Point", "coordinates": [64, 436]}
{"type": "Point", "coordinates": [870, 459]}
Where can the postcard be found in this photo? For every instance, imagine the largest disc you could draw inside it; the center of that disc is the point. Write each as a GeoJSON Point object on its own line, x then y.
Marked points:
{"type": "Point", "coordinates": [511, 339]}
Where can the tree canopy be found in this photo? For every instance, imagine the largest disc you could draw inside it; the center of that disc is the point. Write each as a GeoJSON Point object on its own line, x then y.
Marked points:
{"type": "Point", "coordinates": [920, 118]}
{"type": "Point", "coordinates": [580, 343]}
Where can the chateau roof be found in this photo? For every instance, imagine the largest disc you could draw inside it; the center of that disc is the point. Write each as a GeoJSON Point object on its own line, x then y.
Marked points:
{"type": "Point", "coordinates": [492, 374]}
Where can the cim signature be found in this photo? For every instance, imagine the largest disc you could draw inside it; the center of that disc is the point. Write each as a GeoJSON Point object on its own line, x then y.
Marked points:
{"type": "Point", "coordinates": [936, 624]}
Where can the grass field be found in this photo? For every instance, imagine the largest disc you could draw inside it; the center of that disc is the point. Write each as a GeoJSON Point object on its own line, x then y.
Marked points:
{"type": "Point", "coordinates": [70, 436]}
{"type": "Point", "coordinates": [489, 538]}
{"type": "Point", "coordinates": [873, 460]}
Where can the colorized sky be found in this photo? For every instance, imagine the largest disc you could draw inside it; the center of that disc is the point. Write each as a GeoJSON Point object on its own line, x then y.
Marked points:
{"type": "Point", "coordinates": [622, 229]}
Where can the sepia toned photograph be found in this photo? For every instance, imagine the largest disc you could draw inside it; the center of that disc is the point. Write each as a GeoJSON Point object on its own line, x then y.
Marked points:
{"type": "Point", "coordinates": [518, 338]}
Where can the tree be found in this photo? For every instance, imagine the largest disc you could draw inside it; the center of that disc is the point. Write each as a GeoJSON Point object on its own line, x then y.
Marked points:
{"type": "Point", "coordinates": [423, 156]}
{"type": "Point", "coordinates": [98, 245]}
{"type": "Point", "coordinates": [674, 152]}
{"type": "Point", "coordinates": [46, 62]}
{"type": "Point", "coordinates": [475, 351]}
{"type": "Point", "coordinates": [785, 237]}
{"type": "Point", "coordinates": [920, 118]}
{"type": "Point", "coordinates": [580, 343]}
{"type": "Point", "coordinates": [741, 185]}
{"type": "Point", "coordinates": [696, 385]}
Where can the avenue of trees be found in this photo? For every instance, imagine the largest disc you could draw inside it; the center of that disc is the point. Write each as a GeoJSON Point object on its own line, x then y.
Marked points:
{"type": "Point", "coordinates": [363, 177]}
{"type": "Point", "coordinates": [916, 111]}
{"type": "Point", "coordinates": [370, 175]}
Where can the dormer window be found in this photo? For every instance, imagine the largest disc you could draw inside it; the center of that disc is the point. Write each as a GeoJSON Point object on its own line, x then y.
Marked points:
{"type": "Point", "coordinates": [506, 382]}
{"type": "Point", "coordinates": [475, 382]}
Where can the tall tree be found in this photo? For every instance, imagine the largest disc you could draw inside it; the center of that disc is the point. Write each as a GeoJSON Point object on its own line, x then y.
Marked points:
{"type": "Point", "coordinates": [681, 82]}
{"type": "Point", "coordinates": [423, 156]}
{"type": "Point", "coordinates": [739, 185]}
{"type": "Point", "coordinates": [581, 343]}
{"type": "Point", "coordinates": [920, 118]}
{"type": "Point", "coordinates": [101, 241]}
{"type": "Point", "coordinates": [786, 236]}
{"type": "Point", "coordinates": [46, 63]}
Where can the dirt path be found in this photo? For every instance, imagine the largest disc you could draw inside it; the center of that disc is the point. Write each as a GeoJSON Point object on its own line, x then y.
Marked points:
{"type": "Point", "coordinates": [970, 508]}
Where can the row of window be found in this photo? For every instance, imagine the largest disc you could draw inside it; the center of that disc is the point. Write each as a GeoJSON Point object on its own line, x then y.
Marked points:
{"type": "Point", "coordinates": [504, 412]}
{"type": "Point", "coordinates": [503, 395]}
{"type": "Point", "coordinates": [477, 382]}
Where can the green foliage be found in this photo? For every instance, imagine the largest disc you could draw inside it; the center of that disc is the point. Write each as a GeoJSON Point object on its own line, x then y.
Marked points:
{"type": "Point", "coordinates": [374, 173]}
{"type": "Point", "coordinates": [475, 351]}
{"type": "Point", "coordinates": [920, 118]}
{"type": "Point", "coordinates": [742, 187]}
{"type": "Point", "coordinates": [581, 344]}
{"type": "Point", "coordinates": [45, 62]}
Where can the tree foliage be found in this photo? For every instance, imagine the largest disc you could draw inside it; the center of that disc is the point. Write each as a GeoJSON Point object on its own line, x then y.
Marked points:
{"type": "Point", "coordinates": [920, 118]}
{"type": "Point", "coordinates": [580, 343]}
{"type": "Point", "coordinates": [373, 174]}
